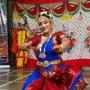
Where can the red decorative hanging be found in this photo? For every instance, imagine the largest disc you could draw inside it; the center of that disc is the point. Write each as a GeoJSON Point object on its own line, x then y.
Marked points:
{"type": "Point", "coordinates": [59, 9]}
{"type": "Point", "coordinates": [19, 9]}
{"type": "Point", "coordinates": [71, 7]}
{"type": "Point", "coordinates": [32, 11]}
{"type": "Point", "coordinates": [86, 4]}
{"type": "Point", "coordinates": [35, 10]}
{"type": "Point", "coordinates": [43, 9]}
{"type": "Point", "coordinates": [38, 1]}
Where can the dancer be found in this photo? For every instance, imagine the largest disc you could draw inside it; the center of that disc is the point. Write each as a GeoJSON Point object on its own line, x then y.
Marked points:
{"type": "Point", "coordinates": [51, 73]}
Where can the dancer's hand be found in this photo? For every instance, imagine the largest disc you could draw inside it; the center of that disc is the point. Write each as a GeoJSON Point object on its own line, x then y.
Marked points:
{"type": "Point", "coordinates": [57, 49]}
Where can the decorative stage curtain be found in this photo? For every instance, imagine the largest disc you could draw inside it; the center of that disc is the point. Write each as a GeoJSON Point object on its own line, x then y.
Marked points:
{"type": "Point", "coordinates": [32, 7]}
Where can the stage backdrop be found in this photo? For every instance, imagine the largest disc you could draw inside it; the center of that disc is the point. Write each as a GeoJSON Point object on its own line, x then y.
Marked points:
{"type": "Point", "coordinates": [70, 16]}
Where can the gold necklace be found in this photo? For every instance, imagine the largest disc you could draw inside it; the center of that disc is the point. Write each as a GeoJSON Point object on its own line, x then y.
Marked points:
{"type": "Point", "coordinates": [43, 52]}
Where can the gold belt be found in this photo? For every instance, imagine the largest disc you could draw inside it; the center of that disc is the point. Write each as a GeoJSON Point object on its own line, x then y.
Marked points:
{"type": "Point", "coordinates": [46, 63]}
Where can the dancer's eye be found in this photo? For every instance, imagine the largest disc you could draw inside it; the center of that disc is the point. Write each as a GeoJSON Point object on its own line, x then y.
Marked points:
{"type": "Point", "coordinates": [40, 23]}
{"type": "Point", "coordinates": [45, 22]}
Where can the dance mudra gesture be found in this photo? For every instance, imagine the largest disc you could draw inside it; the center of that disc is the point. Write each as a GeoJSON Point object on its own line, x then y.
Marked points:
{"type": "Point", "coordinates": [51, 73]}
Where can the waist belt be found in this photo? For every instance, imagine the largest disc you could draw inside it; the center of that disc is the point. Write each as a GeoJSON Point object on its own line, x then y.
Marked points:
{"type": "Point", "coordinates": [46, 63]}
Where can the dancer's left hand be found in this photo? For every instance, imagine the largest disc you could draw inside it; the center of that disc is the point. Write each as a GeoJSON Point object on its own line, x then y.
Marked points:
{"type": "Point", "coordinates": [57, 49]}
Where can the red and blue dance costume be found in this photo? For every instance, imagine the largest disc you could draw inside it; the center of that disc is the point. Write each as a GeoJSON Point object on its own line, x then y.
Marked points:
{"type": "Point", "coordinates": [63, 79]}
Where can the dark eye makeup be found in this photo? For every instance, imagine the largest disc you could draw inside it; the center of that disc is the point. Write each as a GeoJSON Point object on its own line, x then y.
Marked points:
{"type": "Point", "coordinates": [41, 23]}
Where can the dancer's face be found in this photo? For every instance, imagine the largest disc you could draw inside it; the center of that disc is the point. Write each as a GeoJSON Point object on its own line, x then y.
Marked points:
{"type": "Point", "coordinates": [44, 24]}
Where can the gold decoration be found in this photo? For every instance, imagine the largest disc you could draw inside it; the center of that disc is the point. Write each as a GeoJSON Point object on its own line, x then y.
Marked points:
{"type": "Point", "coordinates": [42, 55]}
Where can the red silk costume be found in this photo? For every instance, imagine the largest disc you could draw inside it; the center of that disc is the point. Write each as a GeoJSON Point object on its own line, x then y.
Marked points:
{"type": "Point", "coordinates": [65, 77]}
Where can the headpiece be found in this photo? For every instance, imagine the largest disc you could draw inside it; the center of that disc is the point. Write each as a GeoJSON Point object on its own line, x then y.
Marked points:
{"type": "Point", "coordinates": [46, 14]}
